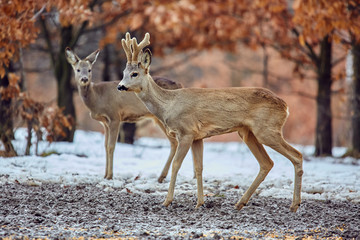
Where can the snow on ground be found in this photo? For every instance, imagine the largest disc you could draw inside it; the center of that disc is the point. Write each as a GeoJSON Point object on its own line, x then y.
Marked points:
{"type": "Point", "coordinates": [227, 167]}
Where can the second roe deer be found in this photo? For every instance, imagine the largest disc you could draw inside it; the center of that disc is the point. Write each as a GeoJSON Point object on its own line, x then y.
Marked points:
{"type": "Point", "coordinates": [192, 114]}
{"type": "Point", "coordinates": [110, 108]}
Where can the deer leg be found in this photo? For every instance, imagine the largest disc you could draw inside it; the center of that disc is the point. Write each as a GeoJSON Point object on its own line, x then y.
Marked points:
{"type": "Point", "coordinates": [197, 153]}
{"type": "Point", "coordinates": [113, 135]}
{"type": "Point", "coordinates": [106, 128]}
{"type": "Point", "coordinates": [281, 146]}
{"type": "Point", "coordinates": [264, 161]}
{"type": "Point", "coordinates": [164, 172]}
{"type": "Point", "coordinates": [173, 146]}
{"type": "Point", "coordinates": [181, 151]}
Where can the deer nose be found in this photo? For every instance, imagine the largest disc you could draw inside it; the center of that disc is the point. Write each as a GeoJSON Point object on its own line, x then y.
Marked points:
{"type": "Point", "coordinates": [84, 79]}
{"type": "Point", "coordinates": [122, 88]}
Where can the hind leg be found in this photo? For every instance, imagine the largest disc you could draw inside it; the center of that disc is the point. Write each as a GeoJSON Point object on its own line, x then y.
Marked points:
{"type": "Point", "coordinates": [278, 143]}
{"type": "Point", "coordinates": [183, 147]}
{"type": "Point", "coordinates": [264, 161]}
{"type": "Point", "coordinates": [197, 149]}
{"type": "Point", "coordinates": [296, 158]}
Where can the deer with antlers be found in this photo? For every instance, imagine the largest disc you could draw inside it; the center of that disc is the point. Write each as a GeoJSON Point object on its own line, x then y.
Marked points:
{"type": "Point", "coordinates": [110, 108]}
{"type": "Point", "coordinates": [192, 114]}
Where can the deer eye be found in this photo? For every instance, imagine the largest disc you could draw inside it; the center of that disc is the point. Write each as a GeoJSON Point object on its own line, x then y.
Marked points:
{"type": "Point", "coordinates": [89, 70]}
{"type": "Point", "coordinates": [135, 74]}
{"type": "Point", "coordinates": [78, 70]}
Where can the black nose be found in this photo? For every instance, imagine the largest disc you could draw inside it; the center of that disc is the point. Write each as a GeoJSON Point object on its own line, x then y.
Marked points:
{"type": "Point", "coordinates": [84, 80]}
{"type": "Point", "coordinates": [122, 88]}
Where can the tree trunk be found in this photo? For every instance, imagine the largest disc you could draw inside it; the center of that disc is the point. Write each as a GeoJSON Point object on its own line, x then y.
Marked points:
{"type": "Point", "coordinates": [106, 76]}
{"type": "Point", "coordinates": [356, 100]}
{"type": "Point", "coordinates": [265, 67]}
{"type": "Point", "coordinates": [6, 124]}
{"type": "Point", "coordinates": [127, 133]}
{"type": "Point", "coordinates": [63, 77]}
{"type": "Point", "coordinates": [28, 140]}
{"type": "Point", "coordinates": [323, 141]}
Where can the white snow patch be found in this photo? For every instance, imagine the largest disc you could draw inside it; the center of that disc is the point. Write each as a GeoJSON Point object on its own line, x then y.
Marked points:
{"type": "Point", "coordinates": [227, 167]}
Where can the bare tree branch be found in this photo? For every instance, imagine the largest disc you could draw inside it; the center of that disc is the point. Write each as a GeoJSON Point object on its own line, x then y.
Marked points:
{"type": "Point", "coordinates": [311, 52]}
{"type": "Point", "coordinates": [175, 64]}
{"type": "Point", "coordinates": [37, 70]}
{"type": "Point", "coordinates": [112, 21]}
{"type": "Point", "coordinates": [36, 15]}
{"type": "Point", "coordinates": [48, 41]}
{"type": "Point", "coordinates": [77, 35]}
{"type": "Point", "coordinates": [339, 60]}
{"type": "Point", "coordinates": [38, 47]}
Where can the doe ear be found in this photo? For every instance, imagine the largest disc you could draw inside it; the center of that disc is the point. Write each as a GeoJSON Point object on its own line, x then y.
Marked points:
{"type": "Point", "coordinates": [71, 57]}
{"type": "Point", "coordinates": [93, 56]}
{"type": "Point", "coordinates": [146, 58]}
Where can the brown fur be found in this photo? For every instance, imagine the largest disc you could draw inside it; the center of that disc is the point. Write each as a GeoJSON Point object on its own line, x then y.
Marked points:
{"type": "Point", "coordinates": [110, 108]}
{"type": "Point", "coordinates": [192, 114]}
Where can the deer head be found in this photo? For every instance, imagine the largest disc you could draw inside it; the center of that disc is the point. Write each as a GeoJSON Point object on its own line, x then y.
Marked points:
{"type": "Point", "coordinates": [82, 68]}
{"type": "Point", "coordinates": [138, 63]}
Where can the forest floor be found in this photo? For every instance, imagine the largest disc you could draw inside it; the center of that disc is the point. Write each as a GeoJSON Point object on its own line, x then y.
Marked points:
{"type": "Point", "coordinates": [57, 211]}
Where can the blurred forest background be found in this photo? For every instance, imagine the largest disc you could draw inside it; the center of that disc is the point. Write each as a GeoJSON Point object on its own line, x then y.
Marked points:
{"type": "Point", "coordinates": [306, 51]}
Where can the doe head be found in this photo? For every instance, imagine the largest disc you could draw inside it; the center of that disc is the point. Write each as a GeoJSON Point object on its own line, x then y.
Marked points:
{"type": "Point", "coordinates": [137, 68]}
{"type": "Point", "coordinates": [82, 67]}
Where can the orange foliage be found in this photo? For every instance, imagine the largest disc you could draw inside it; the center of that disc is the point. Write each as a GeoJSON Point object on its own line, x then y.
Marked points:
{"type": "Point", "coordinates": [187, 24]}
{"type": "Point", "coordinates": [73, 12]}
{"type": "Point", "coordinates": [12, 90]}
{"type": "Point", "coordinates": [36, 114]}
{"type": "Point", "coordinates": [336, 18]}
{"type": "Point", "coordinates": [17, 28]}
{"type": "Point", "coordinates": [18, 17]}
{"type": "Point", "coordinates": [55, 123]}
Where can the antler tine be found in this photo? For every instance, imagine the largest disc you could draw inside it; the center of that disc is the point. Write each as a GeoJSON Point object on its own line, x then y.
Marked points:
{"type": "Point", "coordinates": [126, 44]}
{"type": "Point", "coordinates": [137, 48]}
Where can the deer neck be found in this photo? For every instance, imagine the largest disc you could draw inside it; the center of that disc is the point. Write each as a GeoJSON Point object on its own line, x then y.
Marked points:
{"type": "Point", "coordinates": [87, 94]}
{"type": "Point", "coordinates": [155, 98]}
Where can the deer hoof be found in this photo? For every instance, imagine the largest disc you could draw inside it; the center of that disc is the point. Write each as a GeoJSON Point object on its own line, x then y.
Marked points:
{"type": "Point", "coordinates": [108, 177]}
{"type": "Point", "coordinates": [167, 203]}
{"type": "Point", "coordinates": [239, 206]}
{"type": "Point", "coordinates": [294, 207]}
{"type": "Point", "coordinates": [161, 179]}
{"type": "Point", "coordinates": [199, 204]}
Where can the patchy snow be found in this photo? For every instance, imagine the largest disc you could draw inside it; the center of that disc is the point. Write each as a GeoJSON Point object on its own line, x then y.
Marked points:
{"type": "Point", "coordinates": [227, 167]}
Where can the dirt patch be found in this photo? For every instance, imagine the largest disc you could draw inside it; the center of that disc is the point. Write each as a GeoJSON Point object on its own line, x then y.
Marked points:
{"type": "Point", "coordinates": [56, 211]}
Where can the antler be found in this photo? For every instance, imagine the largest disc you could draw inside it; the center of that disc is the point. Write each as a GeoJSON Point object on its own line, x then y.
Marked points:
{"type": "Point", "coordinates": [132, 48]}
{"type": "Point", "coordinates": [126, 43]}
{"type": "Point", "coordinates": [138, 48]}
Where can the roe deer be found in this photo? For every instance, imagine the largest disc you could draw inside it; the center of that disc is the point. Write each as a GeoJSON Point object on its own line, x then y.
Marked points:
{"type": "Point", "coordinates": [110, 108]}
{"type": "Point", "coordinates": [192, 114]}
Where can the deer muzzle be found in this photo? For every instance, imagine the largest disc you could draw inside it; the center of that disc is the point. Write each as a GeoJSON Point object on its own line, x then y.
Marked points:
{"type": "Point", "coordinates": [122, 88]}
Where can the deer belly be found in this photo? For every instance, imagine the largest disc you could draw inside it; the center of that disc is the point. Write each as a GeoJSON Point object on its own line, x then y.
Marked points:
{"type": "Point", "coordinates": [209, 130]}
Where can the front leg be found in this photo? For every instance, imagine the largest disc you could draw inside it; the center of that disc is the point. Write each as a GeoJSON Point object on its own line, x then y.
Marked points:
{"type": "Point", "coordinates": [105, 124]}
{"type": "Point", "coordinates": [106, 128]}
{"type": "Point", "coordinates": [113, 134]}
{"type": "Point", "coordinates": [181, 151]}
{"type": "Point", "coordinates": [197, 152]}
{"type": "Point", "coordinates": [173, 147]}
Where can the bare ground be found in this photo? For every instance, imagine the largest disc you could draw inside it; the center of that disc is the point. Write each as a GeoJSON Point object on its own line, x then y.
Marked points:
{"type": "Point", "coordinates": [57, 212]}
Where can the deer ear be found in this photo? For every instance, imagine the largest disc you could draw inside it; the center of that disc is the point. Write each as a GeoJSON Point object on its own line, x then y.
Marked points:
{"type": "Point", "coordinates": [71, 57]}
{"type": "Point", "coordinates": [93, 56]}
{"type": "Point", "coordinates": [146, 58]}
